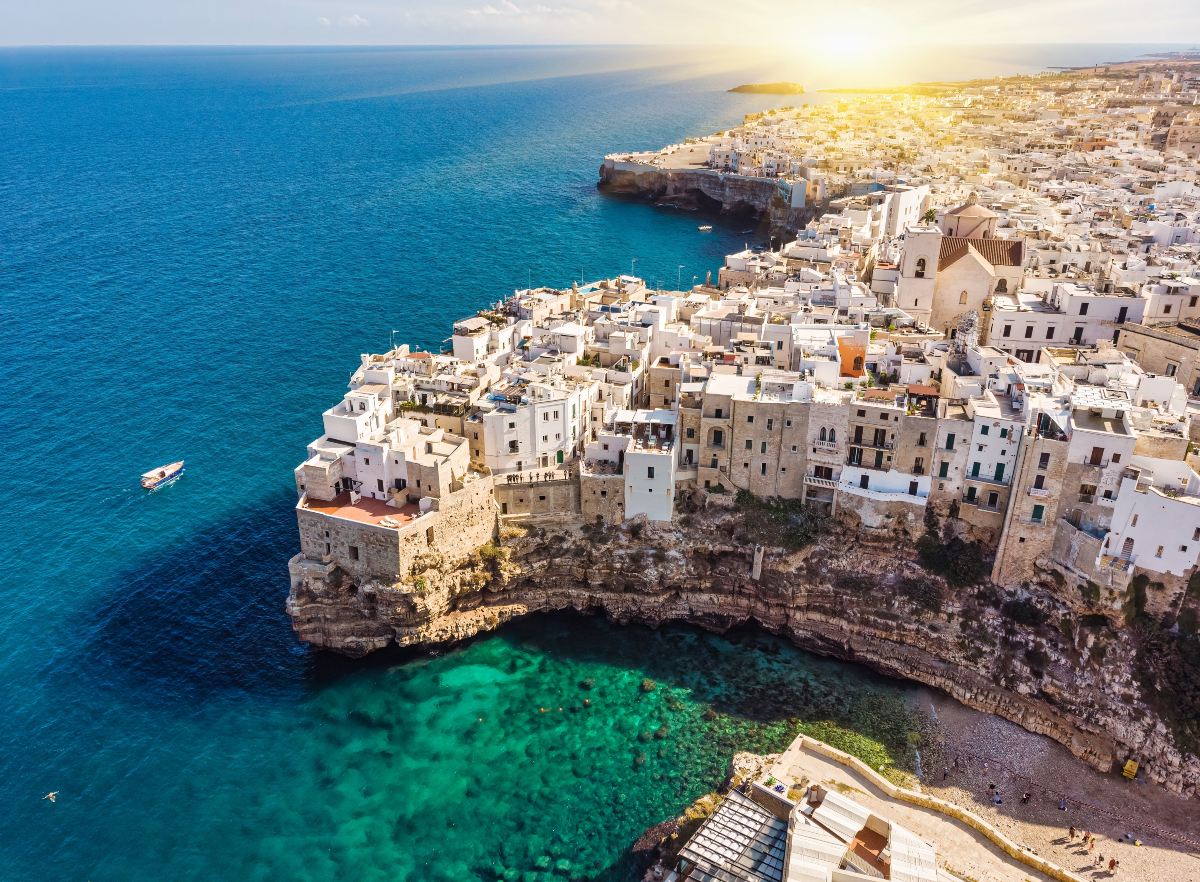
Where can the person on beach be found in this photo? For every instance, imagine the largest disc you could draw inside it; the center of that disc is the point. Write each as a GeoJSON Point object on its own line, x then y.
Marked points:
{"type": "Point", "coordinates": [1071, 832]}
{"type": "Point", "coordinates": [1112, 865]}
{"type": "Point", "coordinates": [1025, 798]}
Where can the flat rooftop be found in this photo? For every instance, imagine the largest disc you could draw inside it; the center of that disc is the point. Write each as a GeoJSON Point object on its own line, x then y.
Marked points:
{"type": "Point", "coordinates": [366, 511]}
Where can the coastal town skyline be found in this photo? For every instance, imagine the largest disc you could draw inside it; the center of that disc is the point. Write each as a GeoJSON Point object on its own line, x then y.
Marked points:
{"type": "Point", "coordinates": [845, 33]}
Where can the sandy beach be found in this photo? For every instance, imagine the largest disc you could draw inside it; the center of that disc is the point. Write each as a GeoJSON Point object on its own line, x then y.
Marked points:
{"type": "Point", "coordinates": [990, 750]}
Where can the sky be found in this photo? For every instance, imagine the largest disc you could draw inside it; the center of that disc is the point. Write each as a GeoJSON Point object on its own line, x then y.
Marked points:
{"type": "Point", "coordinates": [862, 23]}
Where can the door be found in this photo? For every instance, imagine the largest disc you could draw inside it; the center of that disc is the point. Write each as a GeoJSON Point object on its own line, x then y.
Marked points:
{"type": "Point", "coordinates": [559, 457]}
{"type": "Point", "coordinates": [1121, 314]}
{"type": "Point", "coordinates": [999, 471]}
{"type": "Point", "coordinates": [863, 481]}
{"type": "Point", "coordinates": [1097, 456]}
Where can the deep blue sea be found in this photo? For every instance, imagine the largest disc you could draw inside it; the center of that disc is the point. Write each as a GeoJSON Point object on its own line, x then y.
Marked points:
{"type": "Point", "coordinates": [195, 246]}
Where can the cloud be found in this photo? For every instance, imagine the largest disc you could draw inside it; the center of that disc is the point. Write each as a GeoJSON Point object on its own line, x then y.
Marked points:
{"type": "Point", "coordinates": [324, 22]}
{"type": "Point", "coordinates": [508, 8]}
{"type": "Point", "coordinates": [353, 21]}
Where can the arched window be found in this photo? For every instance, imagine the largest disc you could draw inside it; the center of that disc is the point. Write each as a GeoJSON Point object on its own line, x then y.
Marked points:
{"type": "Point", "coordinates": [832, 436]}
{"type": "Point", "coordinates": [1002, 286]}
{"type": "Point", "coordinates": [822, 437]}
{"type": "Point", "coordinates": [858, 362]}
{"type": "Point", "coordinates": [962, 298]}
{"type": "Point", "coordinates": [920, 267]}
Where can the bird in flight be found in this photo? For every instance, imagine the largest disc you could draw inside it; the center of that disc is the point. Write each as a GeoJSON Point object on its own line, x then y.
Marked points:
{"type": "Point", "coordinates": [52, 796]}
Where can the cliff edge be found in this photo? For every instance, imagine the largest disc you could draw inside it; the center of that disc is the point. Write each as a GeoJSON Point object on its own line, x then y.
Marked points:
{"type": "Point", "coordinates": [1029, 654]}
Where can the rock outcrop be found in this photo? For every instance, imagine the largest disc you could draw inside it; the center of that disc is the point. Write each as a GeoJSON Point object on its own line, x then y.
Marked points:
{"type": "Point", "coordinates": [762, 199]}
{"type": "Point", "coordinates": [855, 597]}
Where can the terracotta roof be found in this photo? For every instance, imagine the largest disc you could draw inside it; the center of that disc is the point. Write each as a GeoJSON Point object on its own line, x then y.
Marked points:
{"type": "Point", "coordinates": [971, 210]}
{"type": "Point", "coordinates": [997, 252]}
{"type": "Point", "coordinates": [419, 355]}
{"type": "Point", "coordinates": [920, 389]}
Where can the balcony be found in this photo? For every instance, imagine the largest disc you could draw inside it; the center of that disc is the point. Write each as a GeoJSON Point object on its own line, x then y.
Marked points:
{"type": "Point", "coordinates": [827, 483]}
{"type": "Point", "coordinates": [884, 445]}
{"type": "Point", "coordinates": [826, 446]}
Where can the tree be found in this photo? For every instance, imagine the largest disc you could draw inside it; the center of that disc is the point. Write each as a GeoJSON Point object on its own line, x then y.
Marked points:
{"type": "Point", "coordinates": [929, 216]}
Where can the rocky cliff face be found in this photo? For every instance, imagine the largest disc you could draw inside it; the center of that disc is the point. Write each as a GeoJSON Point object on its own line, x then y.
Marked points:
{"type": "Point", "coordinates": [707, 190]}
{"type": "Point", "coordinates": [1026, 654]}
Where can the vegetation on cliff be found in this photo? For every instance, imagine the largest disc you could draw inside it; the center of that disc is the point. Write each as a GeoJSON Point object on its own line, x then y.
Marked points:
{"type": "Point", "coordinates": [784, 523]}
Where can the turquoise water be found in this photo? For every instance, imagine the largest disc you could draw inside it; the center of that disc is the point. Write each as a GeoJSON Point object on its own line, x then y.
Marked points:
{"type": "Point", "coordinates": [195, 245]}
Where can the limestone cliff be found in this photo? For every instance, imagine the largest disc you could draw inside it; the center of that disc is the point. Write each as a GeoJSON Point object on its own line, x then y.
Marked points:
{"type": "Point", "coordinates": [707, 190]}
{"type": "Point", "coordinates": [1025, 654]}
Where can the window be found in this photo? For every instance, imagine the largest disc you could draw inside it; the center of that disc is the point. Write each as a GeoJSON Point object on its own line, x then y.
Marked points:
{"type": "Point", "coordinates": [512, 425]}
{"type": "Point", "coordinates": [1192, 301]}
{"type": "Point", "coordinates": [720, 413]}
{"type": "Point", "coordinates": [999, 471]}
{"type": "Point", "coordinates": [1002, 286]}
{"type": "Point", "coordinates": [1004, 433]}
{"type": "Point", "coordinates": [912, 488]}
{"type": "Point", "coordinates": [920, 273]}
{"type": "Point", "coordinates": [794, 448]}
{"type": "Point", "coordinates": [993, 500]}
{"type": "Point", "coordinates": [787, 424]}
{"type": "Point", "coordinates": [379, 484]}
{"type": "Point", "coordinates": [750, 418]}
{"type": "Point", "coordinates": [1166, 311]}
{"type": "Point", "coordinates": [604, 494]}
{"type": "Point", "coordinates": [1116, 457]}
{"type": "Point", "coordinates": [950, 441]}
{"type": "Point", "coordinates": [1044, 461]}
{"type": "Point", "coordinates": [762, 447]}
{"type": "Point", "coordinates": [770, 423]}
{"type": "Point", "coordinates": [762, 468]}
{"type": "Point", "coordinates": [1039, 513]}
{"type": "Point", "coordinates": [650, 472]}
{"type": "Point", "coordinates": [883, 416]}
{"type": "Point", "coordinates": [749, 444]}
{"type": "Point", "coordinates": [974, 470]}
{"type": "Point", "coordinates": [962, 298]}
{"type": "Point", "coordinates": [1183, 549]}
{"type": "Point", "coordinates": [718, 438]}
{"type": "Point", "coordinates": [366, 460]}
{"type": "Point", "coordinates": [921, 440]}
{"type": "Point", "coordinates": [944, 470]}
{"type": "Point", "coordinates": [1171, 369]}
{"type": "Point", "coordinates": [1196, 535]}
{"type": "Point", "coordinates": [983, 430]}
{"type": "Point", "coordinates": [821, 434]}
{"type": "Point", "coordinates": [1039, 483]}
{"type": "Point", "coordinates": [353, 552]}
{"type": "Point", "coordinates": [1050, 333]}
{"type": "Point", "coordinates": [971, 493]}
{"type": "Point", "coordinates": [689, 432]}
{"type": "Point", "coordinates": [1007, 332]}
{"type": "Point", "coordinates": [832, 436]}
{"type": "Point", "coordinates": [1133, 521]}
{"type": "Point", "coordinates": [862, 413]}
{"type": "Point", "coordinates": [1028, 331]}
{"type": "Point", "coordinates": [1083, 307]}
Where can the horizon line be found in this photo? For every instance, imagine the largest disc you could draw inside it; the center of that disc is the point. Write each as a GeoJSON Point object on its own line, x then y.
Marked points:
{"type": "Point", "coordinates": [553, 45]}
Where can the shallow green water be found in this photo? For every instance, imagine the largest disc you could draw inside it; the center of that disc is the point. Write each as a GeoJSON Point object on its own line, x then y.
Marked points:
{"type": "Point", "coordinates": [453, 770]}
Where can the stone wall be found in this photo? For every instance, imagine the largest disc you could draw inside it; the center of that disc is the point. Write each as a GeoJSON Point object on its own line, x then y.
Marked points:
{"type": "Point", "coordinates": [533, 499]}
{"type": "Point", "coordinates": [602, 497]}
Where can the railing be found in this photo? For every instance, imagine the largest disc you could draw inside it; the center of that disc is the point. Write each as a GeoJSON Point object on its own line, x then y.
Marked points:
{"type": "Point", "coordinates": [826, 445]}
{"type": "Point", "coordinates": [814, 481]}
{"type": "Point", "coordinates": [885, 445]}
